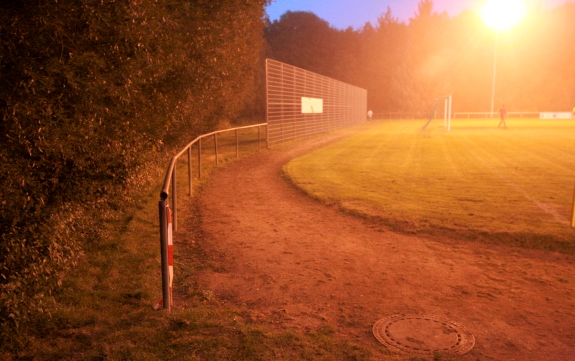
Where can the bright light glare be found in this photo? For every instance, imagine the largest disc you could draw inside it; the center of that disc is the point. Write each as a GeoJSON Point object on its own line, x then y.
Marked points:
{"type": "Point", "coordinates": [502, 14]}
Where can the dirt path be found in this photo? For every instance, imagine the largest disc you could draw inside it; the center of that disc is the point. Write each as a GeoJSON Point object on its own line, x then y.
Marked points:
{"type": "Point", "coordinates": [295, 263]}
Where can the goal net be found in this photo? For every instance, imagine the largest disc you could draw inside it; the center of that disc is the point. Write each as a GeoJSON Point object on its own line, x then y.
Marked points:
{"type": "Point", "coordinates": [441, 103]}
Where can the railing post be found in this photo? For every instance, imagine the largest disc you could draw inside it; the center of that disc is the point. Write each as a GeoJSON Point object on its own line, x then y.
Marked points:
{"type": "Point", "coordinates": [237, 145]}
{"type": "Point", "coordinates": [216, 147]}
{"type": "Point", "coordinates": [190, 178]}
{"type": "Point", "coordinates": [200, 158]}
{"type": "Point", "coordinates": [174, 200]}
{"type": "Point", "coordinates": [164, 254]}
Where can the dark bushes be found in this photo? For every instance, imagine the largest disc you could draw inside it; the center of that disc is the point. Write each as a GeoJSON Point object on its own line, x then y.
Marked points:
{"type": "Point", "coordinates": [92, 92]}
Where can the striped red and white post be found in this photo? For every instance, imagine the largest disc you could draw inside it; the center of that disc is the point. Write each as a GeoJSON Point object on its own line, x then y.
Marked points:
{"type": "Point", "coordinates": [170, 252]}
{"type": "Point", "coordinates": [167, 255]}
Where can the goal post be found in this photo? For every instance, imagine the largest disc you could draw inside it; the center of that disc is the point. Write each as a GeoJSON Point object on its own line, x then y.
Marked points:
{"type": "Point", "coordinates": [447, 103]}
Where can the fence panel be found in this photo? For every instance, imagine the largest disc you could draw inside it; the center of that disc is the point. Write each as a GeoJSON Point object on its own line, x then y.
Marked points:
{"type": "Point", "coordinates": [342, 105]}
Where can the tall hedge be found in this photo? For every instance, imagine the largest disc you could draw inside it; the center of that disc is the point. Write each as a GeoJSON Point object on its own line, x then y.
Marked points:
{"type": "Point", "coordinates": [90, 93]}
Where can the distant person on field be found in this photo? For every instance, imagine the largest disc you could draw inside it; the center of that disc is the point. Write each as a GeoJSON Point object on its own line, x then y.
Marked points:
{"type": "Point", "coordinates": [369, 114]}
{"type": "Point", "coordinates": [502, 115]}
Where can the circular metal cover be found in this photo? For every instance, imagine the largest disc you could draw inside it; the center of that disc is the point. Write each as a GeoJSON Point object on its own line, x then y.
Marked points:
{"type": "Point", "coordinates": [424, 335]}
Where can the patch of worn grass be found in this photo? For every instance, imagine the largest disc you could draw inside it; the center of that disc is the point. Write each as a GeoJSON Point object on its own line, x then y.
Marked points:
{"type": "Point", "coordinates": [511, 185]}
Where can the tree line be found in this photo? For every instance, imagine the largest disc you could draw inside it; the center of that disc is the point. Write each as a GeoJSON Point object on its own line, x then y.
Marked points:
{"type": "Point", "coordinates": [406, 65]}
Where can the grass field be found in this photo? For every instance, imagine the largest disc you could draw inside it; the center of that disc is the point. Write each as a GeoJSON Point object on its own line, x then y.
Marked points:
{"type": "Point", "coordinates": [512, 185]}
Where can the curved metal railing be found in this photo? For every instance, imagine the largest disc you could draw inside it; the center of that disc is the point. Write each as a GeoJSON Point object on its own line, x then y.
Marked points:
{"type": "Point", "coordinates": [169, 215]}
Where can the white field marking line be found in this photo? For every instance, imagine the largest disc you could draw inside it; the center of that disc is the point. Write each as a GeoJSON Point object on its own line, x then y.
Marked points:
{"type": "Point", "coordinates": [545, 208]}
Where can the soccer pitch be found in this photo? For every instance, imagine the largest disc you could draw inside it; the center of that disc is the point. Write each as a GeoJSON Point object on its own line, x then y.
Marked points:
{"type": "Point", "coordinates": [511, 185]}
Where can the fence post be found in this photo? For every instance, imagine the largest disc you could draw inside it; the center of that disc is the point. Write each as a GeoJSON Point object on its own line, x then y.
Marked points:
{"type": "Point", "coordinates": [237, 145]}
{"type": "Point", "coordinates": [166, 299]}
{"type": "Point", "coordinates": [200, 158]}
{"type": "Point", "coordinates": [259, 137]}
{"type": "Point", "coordinates": [216, 147]}
{"type": "Point", "coordinates": [190, 186]}
{"type": "Point", "coordinates": [174, 199]}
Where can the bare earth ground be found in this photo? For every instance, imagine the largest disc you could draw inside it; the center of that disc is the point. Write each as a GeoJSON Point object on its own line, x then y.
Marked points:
{"type": "Point", "coordinates": [297, 264]}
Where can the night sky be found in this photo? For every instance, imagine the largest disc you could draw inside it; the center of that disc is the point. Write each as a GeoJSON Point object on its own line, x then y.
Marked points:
{"type": "Point", "coordinates": [355, 13]}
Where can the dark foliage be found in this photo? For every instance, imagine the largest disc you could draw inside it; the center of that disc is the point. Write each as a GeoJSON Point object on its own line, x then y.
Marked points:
{"type": "Point", "coordinates": [91, 93]}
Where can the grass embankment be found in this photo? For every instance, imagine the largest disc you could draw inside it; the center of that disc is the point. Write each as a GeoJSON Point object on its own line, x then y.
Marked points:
{"type": "Point", "coordinates": [104, 309]}
{"type": "Point", "coordinates": [512, 186]}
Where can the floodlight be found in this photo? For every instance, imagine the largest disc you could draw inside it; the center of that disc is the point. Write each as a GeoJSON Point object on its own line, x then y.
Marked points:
{"type": "Point", "coordinates": [502, 14]}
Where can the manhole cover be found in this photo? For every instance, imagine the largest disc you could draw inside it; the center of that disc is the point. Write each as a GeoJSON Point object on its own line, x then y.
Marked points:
{"type": "Point", "coordinates": [423, 335]}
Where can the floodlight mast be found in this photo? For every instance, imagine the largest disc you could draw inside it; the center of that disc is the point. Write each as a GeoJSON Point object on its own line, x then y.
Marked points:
{"type": "Point", "coordinates": [501, 15]}
{"type": "Point", "coordinates": [494, 72]}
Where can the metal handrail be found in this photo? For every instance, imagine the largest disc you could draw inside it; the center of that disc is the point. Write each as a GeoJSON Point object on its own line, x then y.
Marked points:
{"type": "Point", "coordinates": [167, 179]}
{"type": "Point", "coordinates": [414, 115]}
{"type": "Point", "coordinates": [398, 115]}
{"type": "Point", "coordinates": [170, 180]}
{"type": "Point", "coordinates": [491, 115]}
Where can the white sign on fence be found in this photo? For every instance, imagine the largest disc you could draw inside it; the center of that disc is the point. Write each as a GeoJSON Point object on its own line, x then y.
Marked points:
{"type": "Point", "coordinates": [556, 115]}
{"type": "Point", "coordinates": [311, 105]}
